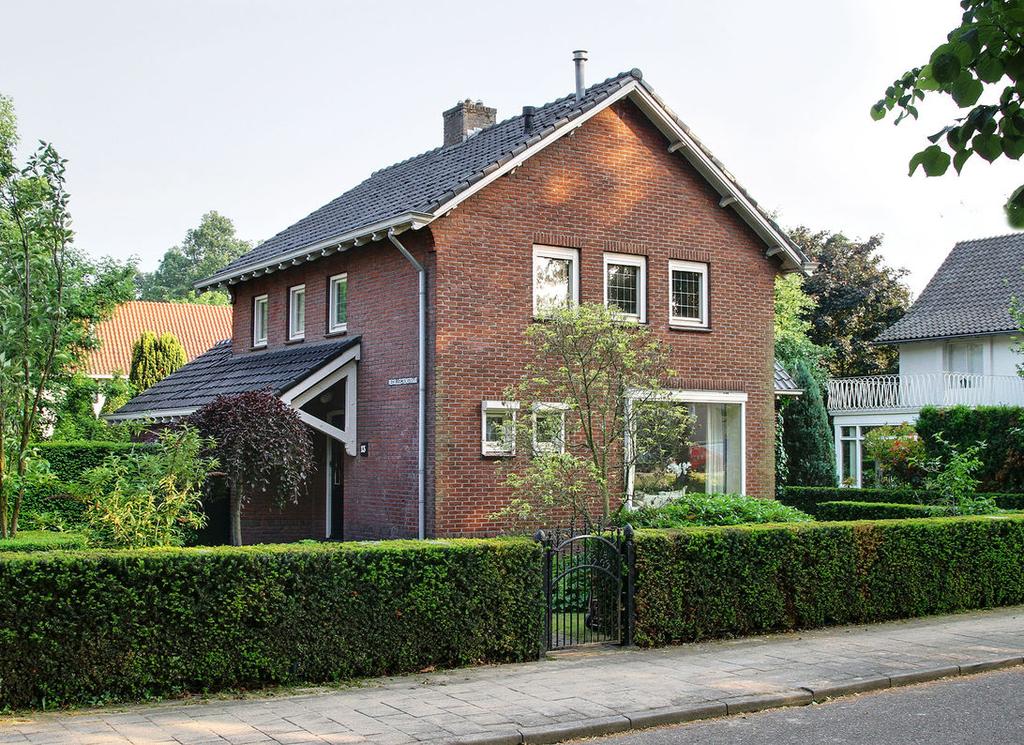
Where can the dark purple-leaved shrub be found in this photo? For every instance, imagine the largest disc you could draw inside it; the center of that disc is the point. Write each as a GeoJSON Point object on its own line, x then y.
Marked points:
{"type": "Point", "coordinates": [263, 448]}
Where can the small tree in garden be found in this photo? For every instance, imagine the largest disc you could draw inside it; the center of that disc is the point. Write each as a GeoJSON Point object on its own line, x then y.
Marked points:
{"type": "Point", "coordinates": [151, 495]}
{"type": "Point", "coordinates": [154, 358]}
{"type": "Point", "coordinates": [591, 379]}
{"type": "Point", "coordinates": [807, 435]}
{"type": "Point", "coordinates": [262, 446]}
{"type": "Point", "coordinates": [953, 479]}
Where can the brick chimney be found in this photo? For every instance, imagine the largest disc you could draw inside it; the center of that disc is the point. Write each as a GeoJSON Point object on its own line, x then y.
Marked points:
{"type": "Point", "coordinates": [466, 118]}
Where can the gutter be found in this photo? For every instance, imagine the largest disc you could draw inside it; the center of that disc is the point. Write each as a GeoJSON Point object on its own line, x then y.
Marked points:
{"type": "Point", "coordinates": [421, 418]}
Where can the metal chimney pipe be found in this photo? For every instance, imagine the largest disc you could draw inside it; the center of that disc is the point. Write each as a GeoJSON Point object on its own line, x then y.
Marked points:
{"type": "Point", "coordinates": [580, 58]}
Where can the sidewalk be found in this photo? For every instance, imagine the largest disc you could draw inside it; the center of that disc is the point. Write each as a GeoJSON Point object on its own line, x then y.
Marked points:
{"type": "Point", "coordinates": [584, 692]}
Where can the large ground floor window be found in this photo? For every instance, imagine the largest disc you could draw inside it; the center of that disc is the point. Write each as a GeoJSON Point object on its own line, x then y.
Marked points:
{"type": "Point", "coordinates": [706, 454]}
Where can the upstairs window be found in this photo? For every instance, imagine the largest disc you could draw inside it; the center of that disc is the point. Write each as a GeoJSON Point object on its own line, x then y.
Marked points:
{"type": "Point", "coordinates": [688, 294]}
{"type": "Point", "coordinates": [498, 420]}
{"type": "Point", "coordinates": [625, 282]}
{"type": "Point", "coordinates": [338, 311]}
{"type": "Point", "coordinates": [260, 316]}
{"type": "Point", "coordinates": [297, 312]}
{"type": "Point", "coordinates": [555, 278]}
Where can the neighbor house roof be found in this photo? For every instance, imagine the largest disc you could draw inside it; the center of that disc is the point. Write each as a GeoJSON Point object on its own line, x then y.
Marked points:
{"type": "Point", "coordinates": [197, 327]}
{"type": "Point", "coordinates": [969, 295]}
{"type": "Point", "coordinates": [412, 193]}
{"type": "Point", "coordinates": [218, 372]}
{"type": "Point", "coordinates": [784, 383]}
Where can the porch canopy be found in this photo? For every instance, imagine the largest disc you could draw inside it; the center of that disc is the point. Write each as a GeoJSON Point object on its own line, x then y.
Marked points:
{"type": "Point", "coordinates": [298, 375]}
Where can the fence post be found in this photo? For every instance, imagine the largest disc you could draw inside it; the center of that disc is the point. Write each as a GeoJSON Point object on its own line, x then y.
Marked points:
{"type": "Point", "coordinates": [546, 545]}
{"type": "Point", "coordinates": [627, 636]}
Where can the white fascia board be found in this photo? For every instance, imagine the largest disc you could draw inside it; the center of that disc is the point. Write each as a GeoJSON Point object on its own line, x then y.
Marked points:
{"type": "Point", "coordinates": [155, 414]}
{"type": "Point", "coordinates": [365, 234]}
{"type": "Point", "coordinates": [689, 396]}
{"type": "Point", "coordinates": [715, 174]}
{"type": "Point", "coordinates": [293, 395]}
{"type": "Point", "coordinates": [535, 148]}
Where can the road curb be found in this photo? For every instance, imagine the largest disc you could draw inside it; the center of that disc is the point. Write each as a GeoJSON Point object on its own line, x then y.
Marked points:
{"type": "Point", "coordinates": [802, 696]}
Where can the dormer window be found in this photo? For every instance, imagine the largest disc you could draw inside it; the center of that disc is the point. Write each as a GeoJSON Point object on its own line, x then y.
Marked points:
{"type": "Point", "coordinates": [297, 313]}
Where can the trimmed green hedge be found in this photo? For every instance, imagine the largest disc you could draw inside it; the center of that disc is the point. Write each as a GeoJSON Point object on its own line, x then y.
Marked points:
{"type": "Point", "coordinates": [702, 583]}
{"type": "Point", "coordinates": [846, 510]}
{"type": "Point", "coordinates": [1000, 427]}
{"type": "Point", "coordinates": [809, 498]}
{"type": "Point", "coordinates": [45, 508]}
{"type": "Point", "coordinates": [103, 625]}
{"type": "Point", "coordinates": [42, 540]}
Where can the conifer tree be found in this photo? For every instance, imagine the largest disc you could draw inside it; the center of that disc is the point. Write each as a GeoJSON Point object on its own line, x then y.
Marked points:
{"type": "Point", "coordinates": [807, 435]}
{"type": "Point", "coordinates": [154, 358]}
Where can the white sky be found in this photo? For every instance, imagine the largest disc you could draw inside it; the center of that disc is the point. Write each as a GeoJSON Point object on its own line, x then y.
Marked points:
{"type": "Point", "coordinates": [266, 110]}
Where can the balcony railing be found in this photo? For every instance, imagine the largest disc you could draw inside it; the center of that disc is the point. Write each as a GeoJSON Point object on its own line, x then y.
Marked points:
{"type": "Point", "coordinates": [909, 392]}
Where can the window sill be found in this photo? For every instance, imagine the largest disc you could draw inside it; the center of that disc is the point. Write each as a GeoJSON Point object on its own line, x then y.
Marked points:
{"type": "Point", "coordinates": [336, 332]}
{"type": "Point", "coordinates": [296, 341]}
{"type": "Point", "coordinates": [685, 327]}
{"type": "Point", "coordinates": [495, 454]}
{"type": "Point", "coordinates": [258, 347]}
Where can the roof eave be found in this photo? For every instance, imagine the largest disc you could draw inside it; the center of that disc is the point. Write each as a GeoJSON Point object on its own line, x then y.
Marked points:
{"type": "Point", "coordinates": [358, 237]}
{"type": "Point", "coordinates": [940, 337]}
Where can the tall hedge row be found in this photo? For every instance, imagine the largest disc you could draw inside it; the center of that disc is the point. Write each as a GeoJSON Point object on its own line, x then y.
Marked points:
{"type": "Point", "coordinates": [92, 625]}
{"type": "Point", "coordinates": [703, 583]}
{"type": "Point", "coordinates": [1001, 428]}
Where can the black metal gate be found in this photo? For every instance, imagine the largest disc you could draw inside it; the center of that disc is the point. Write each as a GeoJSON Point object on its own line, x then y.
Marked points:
{"type": "Point", "coordinates": [588, 583]}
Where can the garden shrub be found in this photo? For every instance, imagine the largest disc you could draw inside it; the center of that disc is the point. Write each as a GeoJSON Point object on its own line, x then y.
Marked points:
{"type": "Point", "coordinates": [1001, 428]}
{"type": "Point", "coordinates": [847, 510]}
{"type": "Point", "coordinates": [98, 625]}
{"type": "Point", "coordinates": [697, 508]}
{"type": "Point", "coordinates": [807, 498]}
{"type": "Point", "coordinates": [42, 540]}
{"type": "Point", "coordinates": [702, 583]}
{"type": "Point", "coordinates": [52, 506]}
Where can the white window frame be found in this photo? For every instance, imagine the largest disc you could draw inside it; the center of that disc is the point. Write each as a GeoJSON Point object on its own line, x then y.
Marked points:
{"type": "Point", "coordinates": [332, 326]}
{"type": "Point", "coordinates": [698, 267]}
{"type": "Point", "coordinates": [641, 279]}
{"type": "Point", "coordinates": [549, 409]}
{"type": "Point", "coordinates": [496, 448]}
{"type": "Point", "coordinates": [293, 334]}
{"type": "Point", "coordinates": [259, 327]}
{"type": "Point", "coordinates": [556, 252]}
{"type": "Point", "coordinates": [685, 397]}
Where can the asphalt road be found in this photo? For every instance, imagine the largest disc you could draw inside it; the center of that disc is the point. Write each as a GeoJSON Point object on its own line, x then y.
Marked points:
{"type": "Point", "coordinates": [985, 709]}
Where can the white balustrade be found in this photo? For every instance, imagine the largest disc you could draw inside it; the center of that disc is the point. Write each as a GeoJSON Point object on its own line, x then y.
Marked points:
{"type": "Point", "coordinates": [889, 392]}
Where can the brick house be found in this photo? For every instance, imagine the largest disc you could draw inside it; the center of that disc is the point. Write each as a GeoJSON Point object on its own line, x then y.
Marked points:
{"type": "Point", "coordinates": [392, 318]}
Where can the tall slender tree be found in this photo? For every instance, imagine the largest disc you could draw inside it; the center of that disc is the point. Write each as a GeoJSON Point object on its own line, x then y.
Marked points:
{"type": "Point", "coordinates": [154, 358]}
{"type": "Point", "coordinates": [807, 436]}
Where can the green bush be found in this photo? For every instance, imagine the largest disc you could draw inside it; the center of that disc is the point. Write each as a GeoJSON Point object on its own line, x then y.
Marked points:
{"type": "Point", "coordinates": [54, 507]}
{"type": "Point", "coordinates": [1001, 428]}
{"type": "Point", "coordinates": [105, 625]}
{"type": "Point", "coordinates": [846, 510]}
{"type": "Point", "coordinates": [697, 508]}
{"type": "Point", "coordinates": [701, 583]}
{"type": "Point", "coordinates": [807, 498]}
{"type": "Point", "coordinates": [42, 540]}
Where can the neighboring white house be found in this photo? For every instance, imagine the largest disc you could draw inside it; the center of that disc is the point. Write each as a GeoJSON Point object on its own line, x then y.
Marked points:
{"type": "Point", "coordinates": [956, 347]}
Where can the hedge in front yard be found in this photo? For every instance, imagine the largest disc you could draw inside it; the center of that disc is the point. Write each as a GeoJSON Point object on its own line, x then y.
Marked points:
{"type": "Point", "coordinates": [702, 583]}
{"type": "Point", "coordinates": [108, 625]}
{"type": "Point", "coordinates": [1001, 428]}
{"type": "Point", "coordinates": [809, 498]}
{"type": "Point", "coordinates": [847, 510]}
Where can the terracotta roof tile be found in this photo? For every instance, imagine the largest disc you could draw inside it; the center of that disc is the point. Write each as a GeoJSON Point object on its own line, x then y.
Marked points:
{"type": "Point", "coordinates": [198, 327]}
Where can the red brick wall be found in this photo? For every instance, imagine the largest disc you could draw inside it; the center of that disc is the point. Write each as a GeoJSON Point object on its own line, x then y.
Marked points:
{"type": "Point", "coordinates": [612, 186]}
{"type": "Point", "coordinates": [380, 489]}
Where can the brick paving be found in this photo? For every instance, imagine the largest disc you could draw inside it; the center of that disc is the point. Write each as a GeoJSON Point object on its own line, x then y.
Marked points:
{"type": "Point", "coordinates": [568, 688]}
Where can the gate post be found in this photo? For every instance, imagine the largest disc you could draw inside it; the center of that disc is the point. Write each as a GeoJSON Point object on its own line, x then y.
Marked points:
{"type": "Point", "coordinates": [630, 557]}
{"type": "Point", "coordinates": [546, 545]}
